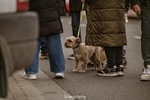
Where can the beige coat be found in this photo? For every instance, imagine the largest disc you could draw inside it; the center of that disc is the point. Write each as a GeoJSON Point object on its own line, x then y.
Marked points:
{"type": "Point", "coordinates": [105, 26]}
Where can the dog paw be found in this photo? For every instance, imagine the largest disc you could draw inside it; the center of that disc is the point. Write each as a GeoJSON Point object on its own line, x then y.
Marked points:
{"type": "Point", "coordinates": [75, 70]}
{"type": "Point", "coordinates": [82, 71]}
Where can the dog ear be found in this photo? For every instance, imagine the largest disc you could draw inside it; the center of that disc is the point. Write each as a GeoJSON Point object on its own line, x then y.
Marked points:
{"type": "Point", "coordinates": [78, 40]}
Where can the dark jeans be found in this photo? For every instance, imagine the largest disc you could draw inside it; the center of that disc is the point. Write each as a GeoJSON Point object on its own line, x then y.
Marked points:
{"type": "Point", "coordinates": [145, 38]}
{"type": "Point", "coordinates": [43, 45]}
{"type": "Point", "coordinates": [75, 22]}
{"type": "Point", "coordinates": [114, 56]}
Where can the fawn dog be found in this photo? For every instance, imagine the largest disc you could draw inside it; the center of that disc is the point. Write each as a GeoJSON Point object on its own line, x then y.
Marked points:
{"type": "Point", "coordinates": [84, 53]}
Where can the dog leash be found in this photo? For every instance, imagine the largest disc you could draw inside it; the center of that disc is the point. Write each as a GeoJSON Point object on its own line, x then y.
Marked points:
{"type": "Point", "coordinates": [81, 16]}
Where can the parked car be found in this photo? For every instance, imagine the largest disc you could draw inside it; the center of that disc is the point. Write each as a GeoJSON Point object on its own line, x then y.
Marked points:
{"type": "Point", "coordinates": [18, 38]}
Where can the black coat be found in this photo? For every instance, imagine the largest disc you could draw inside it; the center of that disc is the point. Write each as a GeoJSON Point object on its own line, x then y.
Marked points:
{"type": "Point", "coordinates": [76, 5]}
{"type": "Point", "coordinates": [127, 4]}
{"type": "Point", "coordinates": [49, 17]}
{"type": "Point", "coordinates": [140, 2]}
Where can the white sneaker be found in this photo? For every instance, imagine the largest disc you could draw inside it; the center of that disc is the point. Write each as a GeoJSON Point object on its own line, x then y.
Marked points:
{"type": "Point", "coordinates": [44, 56]}
{"type": "Point", "coordinates": [59, 75]}
{"type": "Point", "coordinates": [146, 74]}
{"type": "Point", "coordinates": [71, 57]}
{"type": "Point", "coordinates": [29, 76]}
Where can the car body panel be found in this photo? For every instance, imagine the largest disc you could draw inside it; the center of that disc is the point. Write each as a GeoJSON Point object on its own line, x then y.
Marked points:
{"type": "Point", "coordinates": [19, 32]}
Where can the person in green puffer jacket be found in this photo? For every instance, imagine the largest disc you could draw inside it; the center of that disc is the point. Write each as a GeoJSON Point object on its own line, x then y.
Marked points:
{"type": "Point", "coordinates": [106, 28]}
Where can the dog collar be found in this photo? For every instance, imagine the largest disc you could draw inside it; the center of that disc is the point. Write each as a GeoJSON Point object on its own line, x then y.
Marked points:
{"type": "Point", "coordinates": [76, 47]}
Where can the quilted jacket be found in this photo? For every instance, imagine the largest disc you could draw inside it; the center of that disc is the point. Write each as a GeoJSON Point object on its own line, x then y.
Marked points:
{"type": "Point", "coordinates": [49, 17]}
{"type": "Point", "coordinates": [105, 26]}
{"type": "Point", "coordinates": [140, 2]}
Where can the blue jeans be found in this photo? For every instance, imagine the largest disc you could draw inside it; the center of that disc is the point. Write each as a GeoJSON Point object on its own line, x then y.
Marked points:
{"type": "Point", "coordinates": [56, 56]}
{"type": "Point", "coordinates": [75, 22]}
{"type": "Point", "coordinates": [145, 38]}
{"type": "Point", "coordinates": [43, 48]}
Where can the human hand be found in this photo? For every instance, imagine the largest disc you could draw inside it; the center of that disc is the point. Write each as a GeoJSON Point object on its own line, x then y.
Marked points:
{"type": "Point", "coordinates": [137, 9]}
{"type": "Point", "coordinates": [82, 1]}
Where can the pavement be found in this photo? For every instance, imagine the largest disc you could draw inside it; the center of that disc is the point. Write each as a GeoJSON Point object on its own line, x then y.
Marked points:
{"type": "Point", "coordinates": [44, 88]}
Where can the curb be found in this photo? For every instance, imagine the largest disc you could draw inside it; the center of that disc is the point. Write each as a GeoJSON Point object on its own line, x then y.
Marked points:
{"type": "Point", "coordinates": [43, 88]}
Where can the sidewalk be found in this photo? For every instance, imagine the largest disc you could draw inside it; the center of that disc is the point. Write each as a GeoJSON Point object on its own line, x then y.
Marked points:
{"type": "Point", "coordinates": [43, 88]}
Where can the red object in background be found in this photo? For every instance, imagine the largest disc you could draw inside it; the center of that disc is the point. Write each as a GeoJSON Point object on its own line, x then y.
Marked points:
{"type": "Point", "coordinates": [67, 6]}
{"type": "Point", "coordinates": [23, 5]}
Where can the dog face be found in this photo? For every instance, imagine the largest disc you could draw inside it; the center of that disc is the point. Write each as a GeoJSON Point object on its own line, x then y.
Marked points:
{"type": "Point", "coordinates": [72, 42]}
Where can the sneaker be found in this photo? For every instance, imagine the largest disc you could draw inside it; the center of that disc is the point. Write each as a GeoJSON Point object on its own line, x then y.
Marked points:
{"type": "Point", "coordinates": [29, 76]}
{"type": "Point", "coordinates": [90, 63]}
{"type": "Point", "coordinates": [71, 57]}
{"type": "Point", "coordinates": [124, 61]}
{"type": "Point", "coordinates": [120, 70]}
{"type": "Point", "coordinates": [107, 72]}
{"type": "Point", "coordinates": [44, 56]}
{"type": "Point", "coordinates": [126, 18]}
{"type": "Point", "coordinates": [59, 75]}
{"type": "Point", "coordinates": [146, 74]}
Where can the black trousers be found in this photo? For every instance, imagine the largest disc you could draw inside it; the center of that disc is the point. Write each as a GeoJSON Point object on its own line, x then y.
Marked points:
{"type": "Point", "coordinates": [114, 56]}
{"type": "Point", "coordinates": [75, 22]}
{"type": "Point", "coordinates": [145, 38]}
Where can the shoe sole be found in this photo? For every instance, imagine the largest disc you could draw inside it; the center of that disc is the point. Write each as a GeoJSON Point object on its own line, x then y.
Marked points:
{"type": "Point", "coordinates": [59, 77]}
{"type": "Point", "coordinates": [111, 75]}
{"type": "Point", "coordinates": [71, 58]}
{"type": "Point", "coordinates": [120, 73]}
{"type": "Point", "coordinates": [145, 79]}
{"type": "Point", "coordinates": [28, 78]}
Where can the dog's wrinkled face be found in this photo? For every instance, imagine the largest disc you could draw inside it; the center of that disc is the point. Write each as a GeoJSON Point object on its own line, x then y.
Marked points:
{"type": "Point", "coordinates": [72, 42]}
